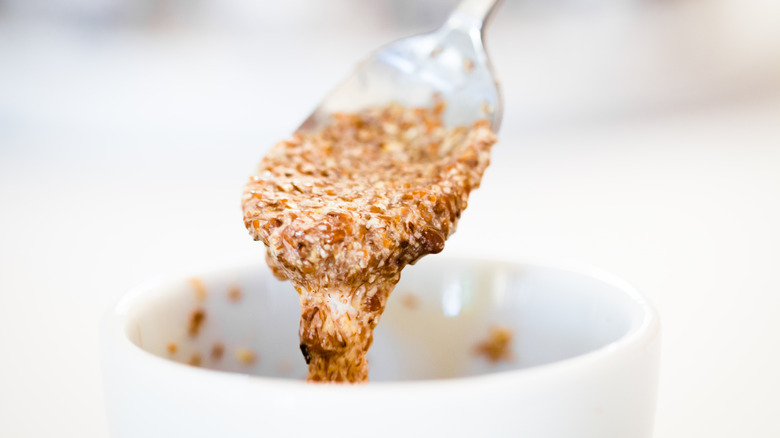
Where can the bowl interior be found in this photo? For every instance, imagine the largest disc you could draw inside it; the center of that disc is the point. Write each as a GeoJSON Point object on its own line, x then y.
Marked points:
{"type": "Point", "coordinates": [243, 320]}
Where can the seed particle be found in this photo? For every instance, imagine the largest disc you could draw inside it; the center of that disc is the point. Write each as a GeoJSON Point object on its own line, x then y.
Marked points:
{"type": "Point", "coordinates": [432, 241]}
{"type": "Point", "coordinates": [410, 301]}
{"type": "Point", "coordinates": [497, 346]}
{"type": "Point", "coordinates": [195, 360]}
{"type": "Point", "coordinates": [246, 356]}
{"type": "Point", "coordinates": [200, 289]}
{"type": "Point", "coordinates": [234, 294]}
{"type": "Point", "coordinates": [217, 351]}
{"type": "Point", "coordinates": [196, 321]}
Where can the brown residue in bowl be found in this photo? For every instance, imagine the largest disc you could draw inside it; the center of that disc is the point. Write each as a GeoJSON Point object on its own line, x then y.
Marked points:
{"type": "Point", "coordinates": [496, 347]}
{"type": "Point", "coordinates": [234, 294]}
{"type": "Point", "coordinates": [246, 356]}
{"type": "Point", "coordinates": [172, 348]}
{"type": "Point", "coordinates": [195, 360]}
{"type": "Point", "coordinates": [196, 322]}
{"type": "Point", "coordinates": [217, 351]}
{"type": "Point", "coordinates": [410, 301]}
{"type": "Point", "coordinates": [199, 287]}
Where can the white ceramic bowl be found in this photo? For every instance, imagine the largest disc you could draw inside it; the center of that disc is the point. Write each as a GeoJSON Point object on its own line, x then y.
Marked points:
{"type": "Point", "coordinates": [584, 358]}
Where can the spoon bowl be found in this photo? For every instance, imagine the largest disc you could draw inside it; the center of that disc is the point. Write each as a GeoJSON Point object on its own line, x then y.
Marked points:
{"type": "Point", "coordinates": [448, 65]}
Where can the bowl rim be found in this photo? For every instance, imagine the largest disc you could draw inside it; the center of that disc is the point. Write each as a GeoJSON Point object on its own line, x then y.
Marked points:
{"type": "Point", "coordinates": [640, 337]}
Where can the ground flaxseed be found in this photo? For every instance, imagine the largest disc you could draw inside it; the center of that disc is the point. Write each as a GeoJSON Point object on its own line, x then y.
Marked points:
{"type": "Point", "coordinates": [234, 294]}
{"type": "Point", "coordinates": [195, 322]}
{"type": "Point", "coordinates": [343, 210]}
{"type": "Point", "coordinates": [496, 346]}
{"type": "Point", "coordinates": [246, 356]}
{"type": "Point", "coordinates": [195, 360]}
{"type": "Point", "coordinates": [200, 289]}
{"type": "Point", "coordinates": [217, 351]}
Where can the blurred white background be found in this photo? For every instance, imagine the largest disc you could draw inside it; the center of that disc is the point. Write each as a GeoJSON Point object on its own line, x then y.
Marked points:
{"type": "Point", "coordinates": [641, 136]}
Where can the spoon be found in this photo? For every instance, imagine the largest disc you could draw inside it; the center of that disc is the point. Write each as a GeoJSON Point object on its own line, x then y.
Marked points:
{"type": "Point", "coordinates": [449, 64]}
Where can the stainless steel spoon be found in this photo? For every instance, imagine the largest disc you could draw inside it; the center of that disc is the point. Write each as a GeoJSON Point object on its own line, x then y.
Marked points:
{"type": "Point", "coordinates": [449, 63]}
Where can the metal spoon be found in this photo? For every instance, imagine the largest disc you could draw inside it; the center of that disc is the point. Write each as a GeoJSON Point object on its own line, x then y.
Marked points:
{"type": "Point", "coordinates": [449, 63]}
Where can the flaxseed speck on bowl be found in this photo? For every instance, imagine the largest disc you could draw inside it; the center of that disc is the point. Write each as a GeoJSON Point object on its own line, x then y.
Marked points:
{"type": "Point", "coordinates": [496, 347]}
{"type": "Point", "coordinates": [195, 322]}
{"type": "Point", "coordinates": [343, 210]}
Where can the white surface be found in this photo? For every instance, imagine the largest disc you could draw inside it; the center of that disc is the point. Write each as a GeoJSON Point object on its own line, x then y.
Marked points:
{"type": "Point", "coordinates": [123, 157]}
{"type": "Point", "coordinates": [598, 368]}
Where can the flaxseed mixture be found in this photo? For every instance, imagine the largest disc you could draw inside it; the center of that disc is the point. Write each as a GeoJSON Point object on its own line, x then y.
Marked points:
{"type": "Point", "coordinates": [343, 210]}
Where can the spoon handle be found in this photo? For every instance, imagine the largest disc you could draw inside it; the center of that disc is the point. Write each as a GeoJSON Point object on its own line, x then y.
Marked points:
{"type": "Point", "coordinates": [473, 14]}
